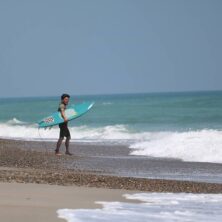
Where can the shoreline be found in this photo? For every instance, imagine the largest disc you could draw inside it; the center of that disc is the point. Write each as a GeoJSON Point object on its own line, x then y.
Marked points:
{"type": "Point", "coordinates": [40, 202]}
{"type": "Point", "coordinates": [35, 184]}
{"type": "Point", "coordinates": [67, 178]}
{"type": "Point", "coordinates": [25, 164]}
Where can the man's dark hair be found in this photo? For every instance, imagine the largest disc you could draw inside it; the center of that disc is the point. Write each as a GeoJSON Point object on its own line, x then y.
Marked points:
{"type": "Point", "coordinates": [63, 96]}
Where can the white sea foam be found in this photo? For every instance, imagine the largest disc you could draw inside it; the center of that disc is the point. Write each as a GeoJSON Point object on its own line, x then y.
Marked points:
{"type": "Point", "coordinates": [155, 207]}
{"type": "Point", "coordinates": [200, 146]}
{"type": "Point", "coordinates": [15, 121]}
{"type": "Point", "coordinates": [117, 133]}
{"type": "Point", "coordinates": [107, 103]}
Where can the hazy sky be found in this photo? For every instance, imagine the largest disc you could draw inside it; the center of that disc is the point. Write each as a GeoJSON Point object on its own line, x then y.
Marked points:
{"type": "Point", "coordinates": [109, 46]}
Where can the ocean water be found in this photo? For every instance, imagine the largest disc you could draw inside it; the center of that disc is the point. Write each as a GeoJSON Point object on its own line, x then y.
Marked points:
{"type": "Point", "coordinates": [185, 126]}
{"type": "Point", "coordinates": [156, 207]}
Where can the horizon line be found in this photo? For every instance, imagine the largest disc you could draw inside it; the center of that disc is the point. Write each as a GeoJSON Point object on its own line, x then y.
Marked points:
{"type": "Point", "coordinates": [110, 94]}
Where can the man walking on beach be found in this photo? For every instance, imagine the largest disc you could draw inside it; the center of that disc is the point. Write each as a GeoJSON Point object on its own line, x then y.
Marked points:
{"type": "Point", "coordinates": [64, 131]}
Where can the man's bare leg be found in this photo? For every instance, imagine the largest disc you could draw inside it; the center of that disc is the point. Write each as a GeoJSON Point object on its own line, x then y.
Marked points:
{"type": "Point", "coordinates": [67, 146]}
{"type": "Point", "coordinates": [59, 143]}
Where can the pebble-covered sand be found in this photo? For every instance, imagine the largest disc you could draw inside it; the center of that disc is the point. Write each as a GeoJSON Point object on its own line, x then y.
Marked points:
{"type": "Point", "coordinates": [31, 166]}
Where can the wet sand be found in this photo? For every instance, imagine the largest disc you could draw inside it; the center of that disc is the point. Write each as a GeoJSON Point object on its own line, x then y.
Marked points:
{"type": "Point", "coordinates": [95, 166]}
{"type": "Point", "coordinates": [34, 183]}
{"type": "Point", "coordinates": [38, 202]}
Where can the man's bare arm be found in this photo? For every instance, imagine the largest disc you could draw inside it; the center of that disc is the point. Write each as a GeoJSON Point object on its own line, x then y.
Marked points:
{"type": "Point", "coordinates": [64, 116]}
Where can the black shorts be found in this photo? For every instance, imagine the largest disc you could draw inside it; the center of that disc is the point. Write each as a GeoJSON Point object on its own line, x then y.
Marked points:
{"type": "Point", "coordinates": [64, 131]}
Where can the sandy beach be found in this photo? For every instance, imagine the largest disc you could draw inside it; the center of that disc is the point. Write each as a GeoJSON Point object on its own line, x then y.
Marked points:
{"type": "Point", "coordinates": [30, 162]}
{"type": "Point", "coordinates": [34, 183]}
{"type": "Point", "coordinates": [38, 202]}
{"type": "Point", "coordinates": [110, 111]}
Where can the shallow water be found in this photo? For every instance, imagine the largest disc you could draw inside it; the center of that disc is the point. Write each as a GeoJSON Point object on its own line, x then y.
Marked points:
{"type": "Point", "coordinates": [154, 207]}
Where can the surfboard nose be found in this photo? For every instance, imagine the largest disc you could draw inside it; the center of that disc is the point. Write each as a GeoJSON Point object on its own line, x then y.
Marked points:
{"type": "Point", "coordinates": [91, 105]}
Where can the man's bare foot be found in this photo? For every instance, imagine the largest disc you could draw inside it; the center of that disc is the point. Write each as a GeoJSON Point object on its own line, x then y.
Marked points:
{"type": "Point", "coordinates": [68, 153]}
{"type": "Point", "coordinates": [57, 153]}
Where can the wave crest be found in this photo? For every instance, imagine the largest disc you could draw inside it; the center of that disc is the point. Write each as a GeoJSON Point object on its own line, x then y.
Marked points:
{"type": "Point", "coordinates": [15, 121]}
{"type": "Point", "coordinates": [195, 146]}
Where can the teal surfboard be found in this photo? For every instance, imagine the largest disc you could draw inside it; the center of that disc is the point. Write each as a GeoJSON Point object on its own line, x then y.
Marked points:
{"type": "Point", "coordinates": [71, 113]}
